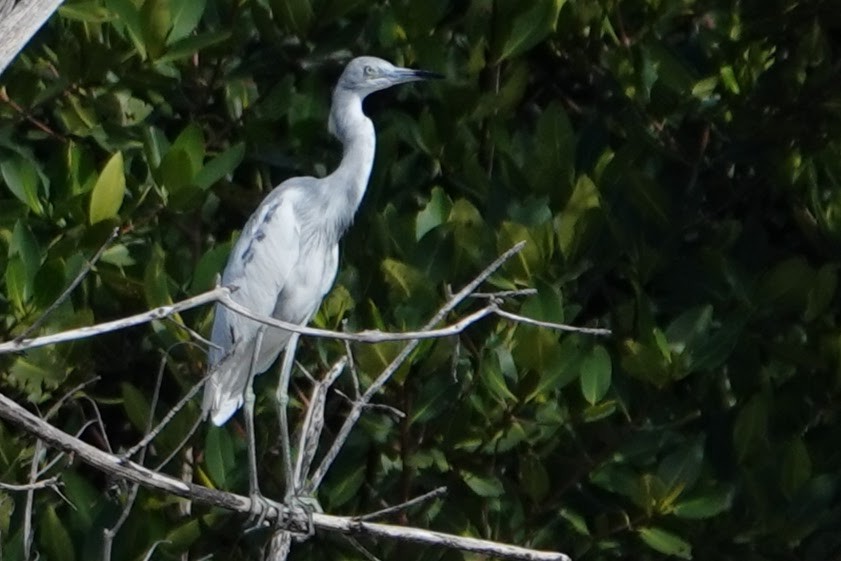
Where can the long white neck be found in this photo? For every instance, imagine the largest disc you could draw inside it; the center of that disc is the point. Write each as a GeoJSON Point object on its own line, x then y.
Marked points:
{"type": "Point", "coordinates": [356, 133]}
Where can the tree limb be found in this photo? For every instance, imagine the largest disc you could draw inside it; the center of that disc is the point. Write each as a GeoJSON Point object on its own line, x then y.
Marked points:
{"type": "Point", "coordinates": [18, 27]}
{"type": "Point", "coordinates": [131, 471]}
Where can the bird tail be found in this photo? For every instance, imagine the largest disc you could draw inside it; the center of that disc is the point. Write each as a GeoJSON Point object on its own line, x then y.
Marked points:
{"type": "Point", "coordinates": [224, 390]}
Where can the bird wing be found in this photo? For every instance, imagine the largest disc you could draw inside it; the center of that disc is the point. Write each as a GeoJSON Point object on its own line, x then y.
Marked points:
{"type": "Point", "coordinates": [259, 266]}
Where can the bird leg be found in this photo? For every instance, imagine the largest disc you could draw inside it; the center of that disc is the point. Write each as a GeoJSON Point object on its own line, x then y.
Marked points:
{"type": "Point", "coordinates": [282, 403]}
{"type": "Point", "coordinates": [260, 506]}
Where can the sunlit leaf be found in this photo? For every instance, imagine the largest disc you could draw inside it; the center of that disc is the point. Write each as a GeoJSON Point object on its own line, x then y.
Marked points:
{"type": "Point", "coordinates": [108, 191]}
{"type": "Point", "coordinates": [595, 376]}
{"type": "Point", "coordinates": [665, 542]}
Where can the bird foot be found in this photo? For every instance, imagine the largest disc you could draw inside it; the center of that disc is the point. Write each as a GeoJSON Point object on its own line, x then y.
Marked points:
{"type": "Point", "coordinates": [261, 509]}
{"type": "Point", "coordinates": [304, 506]}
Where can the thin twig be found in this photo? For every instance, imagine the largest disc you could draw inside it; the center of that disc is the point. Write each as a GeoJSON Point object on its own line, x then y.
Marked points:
{"type": "Point", "coordinates": [505, 293]}
{"type": "Point", "coordinates": [435, 493]}
{"type": "Point", "coordinates": [222, 295]}
{"type": "Point", "coordinates": [50, 482]}
{"type": "Point", "coordinates": [107, 327]}
{"type": "Point", "coordinates": [365, 336]}
{"type": "Point", "coordinates": [133, 472]}
{"type": "Point", "coordinates": [167, 418]}
{"type": "Point", "coordinates": [314, 422]}
{"type": "Point", "coordinates": [551, 325]}
{"type": "Point", "coordinates": [86, 268]}
{"type": "Point", "coordinates": [350, 421]}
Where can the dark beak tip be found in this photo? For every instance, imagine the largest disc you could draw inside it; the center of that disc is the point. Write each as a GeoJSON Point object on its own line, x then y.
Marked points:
{"type": "Point", "coordinates": [429, 75]}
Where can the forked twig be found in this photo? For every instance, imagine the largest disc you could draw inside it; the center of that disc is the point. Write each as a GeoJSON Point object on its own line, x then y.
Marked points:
{"type": "Point", "coordinates": [435, 493]}
{"type": "Point", "coordinates": [350, 421]}
{"type": "Point", "coordinates": [86, 268]}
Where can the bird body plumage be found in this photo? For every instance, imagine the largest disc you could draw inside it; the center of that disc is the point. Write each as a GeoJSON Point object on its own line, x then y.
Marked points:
{"type": "Point", "coordinates": [286, 258]}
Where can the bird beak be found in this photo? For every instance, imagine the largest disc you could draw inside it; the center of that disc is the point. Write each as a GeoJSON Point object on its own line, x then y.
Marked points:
{"type": "Point", "coordinates": [402, 75]}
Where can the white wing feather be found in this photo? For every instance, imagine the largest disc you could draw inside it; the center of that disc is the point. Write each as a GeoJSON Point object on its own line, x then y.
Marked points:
{"type": "Point", "coordinates": [260, 264]}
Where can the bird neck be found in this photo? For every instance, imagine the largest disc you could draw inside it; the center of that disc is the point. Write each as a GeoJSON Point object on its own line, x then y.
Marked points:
{"type": "Point", "coordinates": [356, 133]}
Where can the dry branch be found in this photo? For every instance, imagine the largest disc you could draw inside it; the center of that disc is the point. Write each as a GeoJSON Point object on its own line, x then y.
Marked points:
{"type": "Point", "coordinates": [136, 473]}
{"type": "Point", "coordinates": [20, 24]}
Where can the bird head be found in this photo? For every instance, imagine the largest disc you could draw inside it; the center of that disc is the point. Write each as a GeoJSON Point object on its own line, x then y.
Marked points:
{"type": "Point", "coordinates": [366, 74]}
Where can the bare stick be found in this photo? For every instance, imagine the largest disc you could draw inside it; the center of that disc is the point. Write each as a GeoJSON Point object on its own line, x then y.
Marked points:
{"type": "Point", "coordinates": [18, 26]}
{"type": "Point", "coordinates": [131, 471]}
{"type": "Point", "coordinates": [435, 493]}
{"type": "Point", "coordinates": [108, 534]}
{"type": "Point", "coordinates": [107, 327]}
{"type": "Point", "coordinates": [221, 294]}
{"type": "Point", "coordinates": [167, 418]}
{"type": "Point", "coordinates": [504, 293]}
{"type": "Point", "coordinates": [551, 325]}
{"type": "Point", "coordinates": [365, 336]}
{"type": "Point", "coordinates": [359, 405]}
{"type": "Point", "coordinates": [50, 482]}
{"type": "Point", "coordinates": [314, 422]}
{"type": "Point", "coordinates": [86, 268]}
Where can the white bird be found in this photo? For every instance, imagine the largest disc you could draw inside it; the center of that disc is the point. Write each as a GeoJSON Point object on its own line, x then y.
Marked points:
{"type": "Point", "coordinates": [285, 260]}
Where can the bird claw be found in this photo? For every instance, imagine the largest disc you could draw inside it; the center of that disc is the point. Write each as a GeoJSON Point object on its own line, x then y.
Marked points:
{"type": "Point", "coordinates": [305, 506]}
{"type": "Point", "coordinates": [299, 507]}
{"type": "Point", "coordinates": [259, 510]}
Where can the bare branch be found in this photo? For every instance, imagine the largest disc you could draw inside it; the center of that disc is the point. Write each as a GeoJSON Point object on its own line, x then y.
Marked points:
{"type": "Point", "coordinates": [291, 519]}
{"type": "Point", "coordinates": [50, 482]}
{"type": "Point", "coordinates": [386, 374]}
{"type": "Point", "coordinates": [435, 493]}
{"type": "Point", "coordinates": [116, 325]}
{"type": "Point", "coordinates": [551, 325]}
{"type": "Point", "coordinates": [20, 24]}
{"type": "Point", "coordinates": [86, 268]}
{"type": "Point", "coordinates": [314, 422]}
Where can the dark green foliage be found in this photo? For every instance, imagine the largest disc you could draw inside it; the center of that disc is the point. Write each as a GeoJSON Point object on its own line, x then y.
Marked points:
{"type": "Point", "coordinates": [673, 166]}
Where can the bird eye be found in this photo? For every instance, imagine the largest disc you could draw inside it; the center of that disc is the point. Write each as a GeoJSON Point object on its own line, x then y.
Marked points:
{"type": "Point", "coordinates": [368, 70]}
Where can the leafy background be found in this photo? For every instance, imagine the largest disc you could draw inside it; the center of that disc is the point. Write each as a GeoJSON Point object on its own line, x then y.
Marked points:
{"type": "Point", "coordinates": [673, 165]}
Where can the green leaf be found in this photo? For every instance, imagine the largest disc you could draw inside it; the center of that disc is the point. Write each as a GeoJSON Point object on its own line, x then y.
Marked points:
{"type": "Point", "coordinates": [220, 167]}
{"type": "Point", "coordinates": [483, 485]}
{"type": "Point", "coordinates": [546, 305]}
{"type": "Point", "coordinates": [680, 470]}
{"type": "Point", "coordinates": [575, 222]}
{"type": "Point", "coordinates": [750, 431]}
{"type": "Point", "coordinates": [564, 367]}
{"type": "Point", "coordinates": [294, 15]}
{"type": "Point", "coordinates": [435, 213]}
{"type": "Point", "coordinates": [346, 485]}
{"type": "Point", "coordinates": [554, 152]}
{"type": "Point", "coordinates": [219, 455]}
{"type": "Point", "coordinates": [533, 477]}
{"type": "Point", "coordinates": [25, 246]}
{"type": "Point", "coordinates": [186, 15]}
{"type": "Point", "coordinates": [176, 171]}
{"type": "Point", "coordinates": [189, 46]}
{"type": "Point", "coordinates": [108, 191]}
{"type": "Point", "coordinates": [136, 406]}
{"type": "Point", "coordinates": [704, 505]}
{"type": "Point", "coordinates": [530, 28]}
{"type": "Point", "coordinates": [21, 177]}
{"type": "Point", "coordinates": [155, 280]}
{"type": "Point", "coordinates": [191, 141]}
{"type": "Point", "coordinates": [89, 11]}
{"type": "Point", "coordinates": [155, 22]}
{"type": "Point", "coordinates": [796, 466]}
{"type": "Point", "coordinates": [53, 536]}
{"type": "Point", "coordinates": [575, 520]}
{"type": "Point", "coordinates": [665, 542]}
{"type": "Point", "coordinates": [18, 287]}
{"type": "Point", "coordinates": [494, 373]}
{"type": "Point", "coordinates": [596, 370]}
{"type": "Point", "coordinates": [128, 16]}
